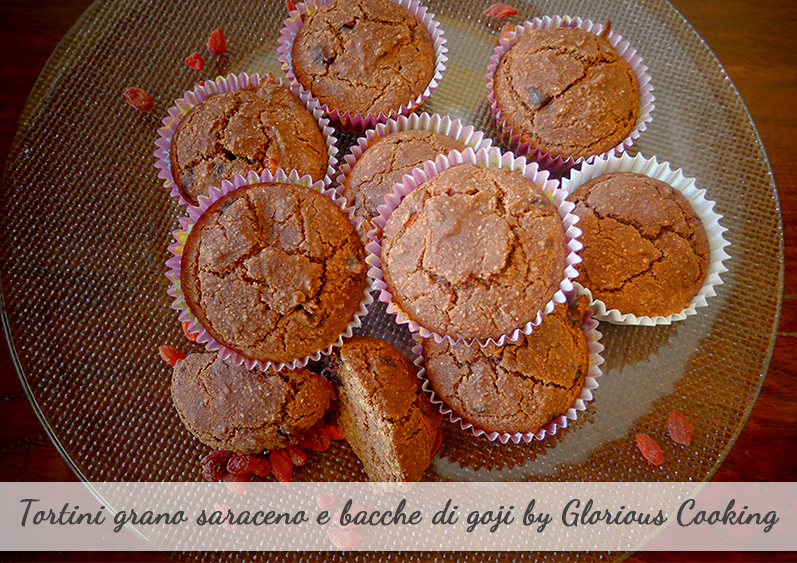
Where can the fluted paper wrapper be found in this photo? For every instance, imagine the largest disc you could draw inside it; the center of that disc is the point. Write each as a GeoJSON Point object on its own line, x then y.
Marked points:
{"type": "Point", "coordinates": [231, 83]}
{"type": "Point", "coordinates": [359, 123]}
{"type": "Point", "coordinates": [558, 164]}
{"type": "Point", "coordinates": [454, 128]}
{"type": "Point", "coordinates": [483, 158]}
{"type": "Point", "coordinates": [594, 348]}
{"type": "Point", "coordinates": [696, 198]}
{"type": "Point", "coordinates": [174, 269]}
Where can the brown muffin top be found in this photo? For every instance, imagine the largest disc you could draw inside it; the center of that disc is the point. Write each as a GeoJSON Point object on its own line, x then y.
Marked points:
{"type": "Point", "coordinates": [645, 249]}
{"type": "Point", "coordinates": [246, 411]}
{"type": "Point", "coordinates": [273, 271]}
{"type": "Point", "coordinates": [385, 415]}
{"type": "Point", "coordinates": [474, 252]}
{"type": "Point", "coordinates": [518, 387]}
{"type": "Point", "coordinates": [363, 56]}
{"type": "Point", "coordinates": [249, 129]}
{"type": "Point", "coordinates": [567, 91]}
{"type": "Point", "coordinates": [385, 162]}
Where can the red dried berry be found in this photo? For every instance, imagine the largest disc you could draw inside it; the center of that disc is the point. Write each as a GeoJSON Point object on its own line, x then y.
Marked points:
{"type": "Point", "coordinates": [192, 336]}
{"type": "Point", "coordinates": [326, 501]}
{"type": "Point", "coordinates": [438, 441]}
{"type": "Point", "coordinates": [500, 10]}
{"type": "Point", "coordinates": [334, 432]}
{"type": "Point", "coordinates": [650, 449]}
{"type": "Point", "coordinates": [217, 44]}
{"type": "Point", "coordinates": [315, 439]}
{"type": "Point", "coordinates": [195, 61]}
{"type": "Point", "coordinates": [297, 455]}
{"type": "Point", "coordinates": [291, 5]}
{"type": "Point", "coordinates": [240, 464]}
{"type": "Point", "coordinates": [170, 355]}
{"type": "Point", "coordinates": [680, 428]}
{"type": "Point", "coordinates": [344, 538]}
{"type": "Point", "coordinates": [138, 98]}
{"type": "Point", "coordinates": [214, 465]}
{"type": "Point", "coordinates": [281, 465]}
{"type": "Point", "coordinates": [216, 455]}
{"type": "Point", "coordinates": [505, 31]}
{"type": "Point", "coordinates": [262, 467]}
{"type": "Point", "coordinates": [237, 484]}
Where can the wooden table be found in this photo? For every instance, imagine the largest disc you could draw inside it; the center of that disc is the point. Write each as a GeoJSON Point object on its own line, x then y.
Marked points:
{"type": "Point", "coordinates": [754, 40]}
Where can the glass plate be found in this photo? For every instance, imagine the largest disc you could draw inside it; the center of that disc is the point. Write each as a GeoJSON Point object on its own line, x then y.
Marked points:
{"type": "Point", "coordinates": [86, 222]}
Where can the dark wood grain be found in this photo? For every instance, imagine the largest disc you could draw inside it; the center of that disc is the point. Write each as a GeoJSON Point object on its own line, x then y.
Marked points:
{"type": "Point", "coordinates": [754, 40]}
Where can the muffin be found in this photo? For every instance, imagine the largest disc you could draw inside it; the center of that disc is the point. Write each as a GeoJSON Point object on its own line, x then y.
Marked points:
{"type": "Point", "coordinates": [385, 162]}
{"type": "Point", "coordinates": [474, 252]}
{"type": "Point", "coordinates": [566, 92]}
{"type": "Point", "coordinates": [246, 411]}
{"type": "Point", "coordinates": [645, 249]}
{"type": "Point", "coordinates": [273, 271]}
{"type": "Point", "coordinates": [363, 56]}
{"type": "Point", "coordinates": [385, 416]}
{"type": "Point", "coordinates": [520, 386]}
{"type": "Point", "coordinates": [254, 128]}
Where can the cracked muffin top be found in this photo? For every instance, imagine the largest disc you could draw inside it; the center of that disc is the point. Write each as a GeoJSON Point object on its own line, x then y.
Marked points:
{"type": "Point", "coordinates": [645, 249]}
{"type": "Point", "coordinates": [274, 272]}
{"type": "Point", "coordinates": [249, 129]}
{"type": "Point", "coordinates": [363, 56]}
{"type": "Point", "coordinates": [566, 92]}
{"type": "Point", "coordinates": [474, 252]}
{"type": "Point", "coordinates": [386, 416]}
{"type": "Point", "coordinates": [246, 411]}
{"type": "Point", "coordinates": [518, 387]}
{"type": "Point", "coordinates": [385, 162]}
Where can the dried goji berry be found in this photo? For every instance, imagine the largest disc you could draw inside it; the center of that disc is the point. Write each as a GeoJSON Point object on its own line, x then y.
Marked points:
{"type": "Point", "coordinates": [505, 31]}
{"type": "Point", "coordinates": [281, 465]}
{"type": "Point", "coordinates": [237, 484]}
{"type": "Point", "coordinates": [216, 43]}
{"type": "Point", "coordinates": [214, 465]}
{"type": "Point", "coordinates": [334, 432]}
{"type": "Point", "coordinates": [263, 466]}
{"type": "Point", "coordinates": [438, 441]}
{"type": "Point", "coordinates": [297, 455]}
{"type": "Point", "coordinates": [170, 355]}
{"type": "Point", "coordinates": [650, 449]}
{"type": "Point", "coordinates": [326, 501]}
{"type": "Point", "coordinates": [240, 464]}
{"type": "Point", "coordinates": [291, 5]}
{"type": "Point", "coordinates": [500, 10]}
{"type": "Point", "coordinates": [680, 428]}
{"type": "Point", "coordinates": [192, 336]}
{"type": "Point", "coordinates": [344, 538]}
{"type": "Point", "coordinates": [195, 61]}
{"type": "Point", "coordinates": [221, 455]}
{"type": "Point", "coordinates": [138, 98]}
{"type": "Point", "coordinates": [315, 439]}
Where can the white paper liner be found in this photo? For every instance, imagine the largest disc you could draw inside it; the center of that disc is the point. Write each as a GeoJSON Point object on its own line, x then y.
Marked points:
{"type": "Point", "coordinates": [465, 134]}
{"type": "Point", "coordinates": [358, 123]}
{"type": "Point", "coordinates": [696, 197]}
{"type": "Point", "coordinates": [594, 348]}
{"type": "Point", "coordinates": [623, 48]}
{"type": "Point", "coordinates": [494, 158]}
{"type": "Point", "coordinates": [231, 83]}
{"type": "Point", "coordinates": [174, 269]}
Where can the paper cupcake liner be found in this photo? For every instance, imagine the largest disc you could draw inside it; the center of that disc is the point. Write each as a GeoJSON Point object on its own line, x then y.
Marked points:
{"type": "Point", "coordinates": [358, 122]}
{"type": "Point", "coordinates": [696, 197]}
{"type": "Point", "coordinates": [483, 158]}
{"type": "Point", "coordinates": [466, 134]}
{"type": "Point", "coordinates": [231, 83]}
{"type": "Point", "coordinates": [594, 348]}
{"type": "Point", "coordinates": [557, 164]}
{"type": "Point", "coordinates": [174, 269]}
